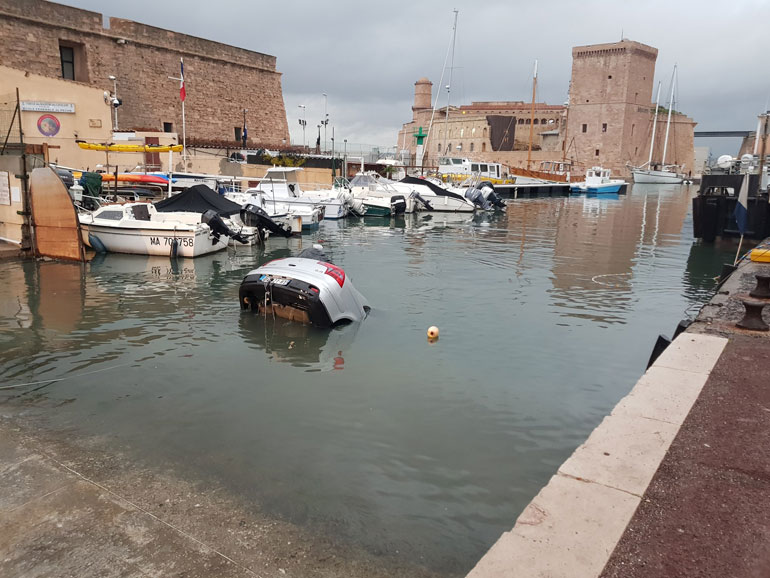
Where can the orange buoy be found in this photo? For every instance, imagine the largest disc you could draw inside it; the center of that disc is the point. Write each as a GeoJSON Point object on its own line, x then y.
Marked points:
{"type": "Point", "coordinates": [432, 333]}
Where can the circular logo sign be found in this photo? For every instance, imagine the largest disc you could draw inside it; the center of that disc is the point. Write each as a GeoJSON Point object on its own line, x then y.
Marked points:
{"type": "Point", "coordinates": [48, 125]}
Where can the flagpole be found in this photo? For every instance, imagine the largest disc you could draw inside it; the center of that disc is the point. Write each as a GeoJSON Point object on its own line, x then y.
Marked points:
{"type": "Point", "coordinates": [739, 251]}
{"type": "Point", "coordinates": [184, 136]}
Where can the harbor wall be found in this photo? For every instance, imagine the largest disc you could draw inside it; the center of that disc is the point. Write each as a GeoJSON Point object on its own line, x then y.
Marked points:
{"type": "Point", "coordinates": [221, 81]}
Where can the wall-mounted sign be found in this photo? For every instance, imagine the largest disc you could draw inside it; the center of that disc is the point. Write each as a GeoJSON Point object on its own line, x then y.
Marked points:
{"type": "Point", "coordinates": [5, 188]}
{"type": "Point", "coordinates": [41, 106]}
{"type": "Point", "coordinates": [48, 125]}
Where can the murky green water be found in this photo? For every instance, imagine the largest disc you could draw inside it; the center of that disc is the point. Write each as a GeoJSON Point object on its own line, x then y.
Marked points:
{"type": "Point", "coordinates": [368, 433]}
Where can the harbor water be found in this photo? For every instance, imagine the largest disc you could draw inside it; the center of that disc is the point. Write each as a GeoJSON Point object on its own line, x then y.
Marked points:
{"type": "Point", "coordinates": [368, 434]}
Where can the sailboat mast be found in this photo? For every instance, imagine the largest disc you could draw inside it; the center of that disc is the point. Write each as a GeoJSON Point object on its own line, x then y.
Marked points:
{"type": "Point", "coordinates": [532, 117]}
{"type": "Point", "coordinates": [668, 122]}
{"type": "Point", "coordinates": [449, 86]}
{"type": "Point", "coordinates": [654, 127]}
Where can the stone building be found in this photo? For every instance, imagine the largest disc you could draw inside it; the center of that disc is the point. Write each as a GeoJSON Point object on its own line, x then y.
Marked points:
{"type": "Point", "coordinates": [611, 110]}
{"type": "Point", "coordinates": [492, 131]}
{"type": "Point", "coordinates": [58, 41]}
{"type": "Point", "coordinates": [608, 121]}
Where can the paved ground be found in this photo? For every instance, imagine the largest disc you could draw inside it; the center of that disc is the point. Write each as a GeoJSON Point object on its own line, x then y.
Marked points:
{"type": "Point", "coordinates": [70, 509]}
{"type": "Point", "coordinates": [8, 250]}
{"type": "Point", "coordinates": [707, 510]}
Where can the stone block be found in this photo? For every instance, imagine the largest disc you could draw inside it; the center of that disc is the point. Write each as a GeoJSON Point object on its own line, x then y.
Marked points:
{"type": "Point", "coordinates": [568, 531]}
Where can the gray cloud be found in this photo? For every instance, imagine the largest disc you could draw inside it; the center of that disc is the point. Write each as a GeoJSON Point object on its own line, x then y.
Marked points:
{"type": "Point", "coordinates": [366, 57]}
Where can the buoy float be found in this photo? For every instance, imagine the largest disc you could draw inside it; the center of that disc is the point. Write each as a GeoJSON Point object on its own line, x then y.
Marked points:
{"type": "Point", "coordinates": [432, 333]}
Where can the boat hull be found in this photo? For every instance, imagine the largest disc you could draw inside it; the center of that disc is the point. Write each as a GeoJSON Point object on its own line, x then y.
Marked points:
{"type": "Point", "coordinates": [656, 177]}
{"type": "Point", "coordinates": [148, 241]}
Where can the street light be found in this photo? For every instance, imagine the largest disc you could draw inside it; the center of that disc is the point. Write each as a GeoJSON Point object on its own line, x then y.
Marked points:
{"type": "Point", "coordinates": [303, 124]}
{"type": "Point", "coordinates": [345, 158]}
{"type": "Point", "coordinates": [115, 102]}
{"type": "Point", "coordinates": [325, 121]}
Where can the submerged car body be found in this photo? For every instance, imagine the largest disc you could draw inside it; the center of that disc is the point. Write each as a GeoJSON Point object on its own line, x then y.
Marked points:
{"type": "Point", "coordinates": [303, 289]}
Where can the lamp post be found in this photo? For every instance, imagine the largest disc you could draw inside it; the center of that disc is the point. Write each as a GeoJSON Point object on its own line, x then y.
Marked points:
{"type": "Point", "coordinates": [325, 121]}
{"type": "Point", "coordinates": [318, 141]}
{"type": "Point", "coordinates": [303, 124]}
{"type": "Point", "coordinates": [114, 101]}
{"type": "Point", "coordinates": [345, 158]}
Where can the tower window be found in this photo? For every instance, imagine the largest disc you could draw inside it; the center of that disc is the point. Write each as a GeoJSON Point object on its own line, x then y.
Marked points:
{"type": "Point", "coordinates": [604, 127]}
{"type": "Point", "coordinates": [585, 128]}
{"type": "Point", "coordinates": [483, 147]}
{"type": "Point", "coordinates": [597, 152]}
{"type": "Point", "coordinates": [67, 54]}
{"type": "Point", "coordinates": [238, 132]}
{"type": "Point", "coordinates": [609, 77]}
{"type": "Point", "coordinates": [471, 147]}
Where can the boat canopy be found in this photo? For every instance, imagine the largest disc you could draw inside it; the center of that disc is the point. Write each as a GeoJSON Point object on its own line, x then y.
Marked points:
{"type": "Point", "coordinates": [198, 199]}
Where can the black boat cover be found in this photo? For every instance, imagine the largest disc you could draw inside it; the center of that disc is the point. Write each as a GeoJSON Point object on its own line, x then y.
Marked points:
{"type": "Point", "coordinates": [432, 186]}
{"type": "Point", "coordinates": [198, 199]}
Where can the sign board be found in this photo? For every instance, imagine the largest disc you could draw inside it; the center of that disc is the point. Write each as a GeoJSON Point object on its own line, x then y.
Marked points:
{"type": "Point", "coordinates": [5, 188]}
{"type": "Point", "coordinates": [40, 106]}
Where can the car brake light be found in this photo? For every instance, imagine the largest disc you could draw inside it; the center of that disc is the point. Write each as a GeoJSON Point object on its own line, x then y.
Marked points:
{"type": "Point", "coordinates": [334, 272]}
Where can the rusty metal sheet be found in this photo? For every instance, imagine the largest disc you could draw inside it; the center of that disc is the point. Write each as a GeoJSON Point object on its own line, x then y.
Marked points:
{"type": "Point", "coordinates": [57, 231]}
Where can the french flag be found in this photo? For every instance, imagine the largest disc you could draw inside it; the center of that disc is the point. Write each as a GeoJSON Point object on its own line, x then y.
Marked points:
{"type": "Point", "coordinates": [741, 211]}
{"type": "Point", "coordinates": [182, 91]}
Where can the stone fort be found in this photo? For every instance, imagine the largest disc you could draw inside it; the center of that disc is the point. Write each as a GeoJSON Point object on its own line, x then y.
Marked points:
{"type": "Point", "coordinates": [608, 120]}
{"type": "Point", "coordinates": [221, 81]}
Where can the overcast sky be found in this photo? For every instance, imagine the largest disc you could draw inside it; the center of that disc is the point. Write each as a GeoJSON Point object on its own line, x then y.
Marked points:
{"type": "Point", "coordinates": [366, 57]}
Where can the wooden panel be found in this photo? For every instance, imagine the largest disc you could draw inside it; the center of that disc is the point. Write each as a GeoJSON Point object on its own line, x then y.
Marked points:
{"type": "Point", "coordinates": [57, 232]}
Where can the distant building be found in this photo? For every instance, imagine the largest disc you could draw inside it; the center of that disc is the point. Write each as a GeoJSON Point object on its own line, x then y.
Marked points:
{"type": "Point", "coordinates": [57, 41]}
{"type": "Point", "coordinates": [611, 110]}
{"type": "Point", "coordinates": [608, 121]}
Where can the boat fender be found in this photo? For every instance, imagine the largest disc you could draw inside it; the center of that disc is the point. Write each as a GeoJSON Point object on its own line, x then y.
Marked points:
{"type": "Point", "coordinates": [174, 248]}
{"type": "Point", "coordinates": [96, 243]}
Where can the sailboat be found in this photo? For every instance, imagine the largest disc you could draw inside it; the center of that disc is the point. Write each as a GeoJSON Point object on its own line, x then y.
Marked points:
{"type": "Point", "coordinates": [665, 174]}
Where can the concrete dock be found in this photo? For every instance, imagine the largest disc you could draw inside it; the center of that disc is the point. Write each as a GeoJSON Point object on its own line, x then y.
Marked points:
{"type": "Point", "coordinates": [676, 481]}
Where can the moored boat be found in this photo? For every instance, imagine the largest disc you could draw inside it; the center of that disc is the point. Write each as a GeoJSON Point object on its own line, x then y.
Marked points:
{"type": "Point", "coordinates": [598, 181]}
{"type": "Point", "coordinates": [139, 229]}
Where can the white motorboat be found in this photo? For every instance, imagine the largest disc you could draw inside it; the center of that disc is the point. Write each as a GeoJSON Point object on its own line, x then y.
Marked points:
{"type": "Point", "coordinates": [598, 180]}
{"type": "Point", "coordinates": [139, 229]}
{"type": "Point", "coordinates": [381, 198]}
{"type": "Point", "coordinates": [299, 216]}
{"type": "Point", "coordinates": [439, 198]}
{"type": "Point", "coordinates": [280, 184]}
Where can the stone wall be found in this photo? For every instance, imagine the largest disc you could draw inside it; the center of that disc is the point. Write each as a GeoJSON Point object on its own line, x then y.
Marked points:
{"type": "Point", "coordinates": [220, 80]}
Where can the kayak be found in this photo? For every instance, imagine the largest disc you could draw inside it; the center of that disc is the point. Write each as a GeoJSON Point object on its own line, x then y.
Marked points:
{"type": "Point", "coordinates": [129, 148]}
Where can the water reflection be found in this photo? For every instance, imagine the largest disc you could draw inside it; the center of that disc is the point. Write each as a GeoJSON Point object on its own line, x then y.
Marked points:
{"type": "Point", "coordinates": [429, 450]}
{"type": "Point", "coordinates": [305, 346]}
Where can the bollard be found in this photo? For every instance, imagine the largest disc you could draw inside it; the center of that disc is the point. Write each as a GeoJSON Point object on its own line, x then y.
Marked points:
{"type": "Point", "coordinates": [762, 290]}
{"type": "Point", "coordinates": [752, 320]}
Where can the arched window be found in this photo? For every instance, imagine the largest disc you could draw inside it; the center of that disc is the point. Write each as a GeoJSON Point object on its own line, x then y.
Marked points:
{"type": "Point", "coordinates": [471, 147]}
{"type": "Point", "coordinates": [543, 121]}
{"type": "Point", "coordinates": [537, 121]}
{"type": "Point", "coordinates": [485, 132]}
{"type": "Point", "coordinates": [449, 149]}
{"type": "Point", "coordinates": [521, 121]}
{"type": "Point", "coordinates": [528, 122]}
{"type": "Point", "coordinates": [483, 147]}
{"type": "Point", "coordinates": [439, 147]}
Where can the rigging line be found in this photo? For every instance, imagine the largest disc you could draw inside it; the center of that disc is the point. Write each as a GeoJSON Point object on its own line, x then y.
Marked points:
{"type": "Point", "coordinates": [66, 377]}
{"type": "Point", "coordinates": [438, 93]}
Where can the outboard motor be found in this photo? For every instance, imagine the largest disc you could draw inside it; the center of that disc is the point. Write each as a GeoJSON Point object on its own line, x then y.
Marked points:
{"type": "Point", "coordinates": [397, 204]}
{"type": "Point", "coordinates": [254, 216]}
{"type": "Point", "coordinates": [476, 197]}
{"type": "Point", "coordinates": [492, 197]}
{"type": "Point", "coordinates": [219, 228]}
{"type": "Point", "coordinates": [424, 202]}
